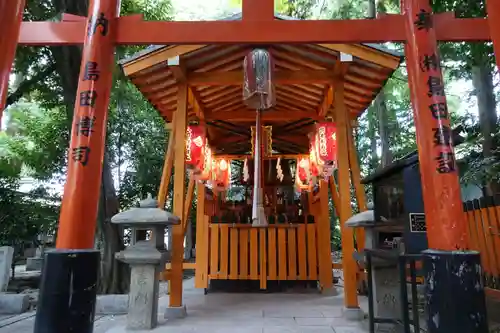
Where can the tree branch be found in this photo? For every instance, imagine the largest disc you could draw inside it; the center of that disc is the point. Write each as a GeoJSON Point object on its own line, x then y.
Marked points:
{"type": "Point", "coordinates": [26, 85]}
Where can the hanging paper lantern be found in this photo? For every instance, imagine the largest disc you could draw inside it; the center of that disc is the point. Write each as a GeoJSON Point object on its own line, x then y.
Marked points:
{"type": "Point", "coordinates": [313, 159]}
{"type": "Point", "coordinates": [221, 174]}
{"type": "Point", "coordinates": [303, 175]}
{"type": "Point", "coordinates": [267, 133]}
{"type": "Point", "coordinates": [196, 142]}
{"type": "Point", "coordinates": [205, 173]}
{"type": "Point", "coordinates": [258, 88]}
{"type": "Point", "coordinates": [326, 148]}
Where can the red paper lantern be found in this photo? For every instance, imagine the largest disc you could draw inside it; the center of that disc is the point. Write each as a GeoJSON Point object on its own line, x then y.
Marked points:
{"type": "Point", "coordinates": [326, 148]}
{"type": "Point", "coordinates": [196, 143]}
{"type": "Point", "coordinates": [205, 173]}
{"type": "Point", "coordinates": [303, 175]}
{"type": "Point", "coordinates": [221, 174]}
{"type": "Point", "coordinates": [313, 158]}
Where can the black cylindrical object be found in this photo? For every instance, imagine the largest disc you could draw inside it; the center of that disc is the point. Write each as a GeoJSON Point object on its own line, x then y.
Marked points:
{"type": "Point", "coordinates": [68, 292]}
{"type": "Point", "coordinates": [454, 288]}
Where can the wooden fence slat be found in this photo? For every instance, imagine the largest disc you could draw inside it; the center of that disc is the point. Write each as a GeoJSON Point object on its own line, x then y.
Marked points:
{"type": "Point", "coordinates": [263, 259]}
{"type": "Point", "coordinates": [292, 254]}
{"type": "Point", "coordinates": [224, 251]}
{"type": "Point", "coordinates": [311, 252]}
{"type": "Point", "coordinates": [488, 238]}
{"type": "Point", "coordinates": [481, 237]}
{"type": "Point", "coordinates": [272, 251]}
{"type": "Point", "coordinates": [214, 250]}
{"type": "Point", "coordinates": [243, 274]}
{"type": "Point", "coordinates": [254, 254]}
{"type": "Point", "coordinates": [282, 254]}
{"type": "Point", "coordinates": [302, 251]}
{"type": "Point", "coordinates": [233, 254]}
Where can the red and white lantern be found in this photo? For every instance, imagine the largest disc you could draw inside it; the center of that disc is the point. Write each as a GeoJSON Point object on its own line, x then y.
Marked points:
{"type": "Point", "coordinates": [303, 177]}
{"type": "Point", "coordinates": [205, 173]}
{"type": "Point", "coordinates": [313, 159]}
{"type": "Point", "coordinates": [221, 174]}
{"type": "Point", "coordinates": [196, 143]}
{"type": "Point", "coordinates": [326, 148]}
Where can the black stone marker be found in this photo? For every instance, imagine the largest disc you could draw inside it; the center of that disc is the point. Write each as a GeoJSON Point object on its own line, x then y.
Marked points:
{"type": "Point", "coordinates": [68, 292]}
{"type": "Point", "coordinates": [454, 288]}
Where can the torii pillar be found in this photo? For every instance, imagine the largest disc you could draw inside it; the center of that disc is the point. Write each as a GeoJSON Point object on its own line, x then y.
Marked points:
{"type": "Point", "coordinates": [70, 274]}
{"type": "Point", "coordinates": [454, 290]}
{"type": "Point", "coordinates": [11, 16]}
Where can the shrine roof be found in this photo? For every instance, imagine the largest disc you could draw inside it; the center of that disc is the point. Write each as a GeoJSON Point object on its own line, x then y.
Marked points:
{"type": "Point", "coordinates": [304, 77]}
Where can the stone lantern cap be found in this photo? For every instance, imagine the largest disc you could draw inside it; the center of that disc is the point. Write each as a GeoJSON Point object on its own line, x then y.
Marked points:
{"type": "Point", "coordinates": [147, 215]}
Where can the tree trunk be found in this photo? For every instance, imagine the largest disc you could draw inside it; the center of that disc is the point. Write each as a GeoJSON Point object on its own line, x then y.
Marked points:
{"type": "Point", "coordinates": [372, 133]}
{"type": "Point", "coordinates": [114, 274]}
{"type": "Point", "coordinates": [383, 128]}
{"type": "Point", "coordinates": [482, 81]}
{"type": "Point", "coordinates": [372, 9]}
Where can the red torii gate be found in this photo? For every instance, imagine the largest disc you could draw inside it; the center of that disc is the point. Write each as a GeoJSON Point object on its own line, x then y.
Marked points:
{"type": "Point", "coordinates": [103, 29]}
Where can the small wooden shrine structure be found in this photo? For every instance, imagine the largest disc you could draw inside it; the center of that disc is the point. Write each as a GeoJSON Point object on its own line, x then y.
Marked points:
{"type": "Point", "coordinates": [193, 84]}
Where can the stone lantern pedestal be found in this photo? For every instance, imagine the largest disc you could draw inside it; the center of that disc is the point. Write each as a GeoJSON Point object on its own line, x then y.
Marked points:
{"type": "Point", "coordinates": [146, 259]}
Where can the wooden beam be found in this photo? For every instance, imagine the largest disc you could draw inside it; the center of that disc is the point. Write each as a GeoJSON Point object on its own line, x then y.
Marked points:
{"type": "Point", "coordinates": [188, 204]}
{"type": "Point", "coordinates": [272, 157]}
{"type": "Point", "coordinates": [344, 185]}
{"type": "Point", "coordinates": [167, 169]}
{"type": "Point", "coordinates": [156, 57]}
{"type": "Point", "coordinates": [358, 187]}
{"type": "Point", "coordinates": [388, 28]}
{"type": "Point", "coordinates": [202, 229]}
{"type": "Point", "coordinates": [366, 53]}
{"type": "Point", "coordinates": [257, 10]}
{"type": "Point", "coordinates": [249, 115]}
{"type": "Point", "coordinates": [280, 77]}
{"type": "Point", "coordinates": [179, 197]}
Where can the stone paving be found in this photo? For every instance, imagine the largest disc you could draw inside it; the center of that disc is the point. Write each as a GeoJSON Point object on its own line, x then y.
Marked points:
{"type": "Point", "coordinates": [232, 313]}
{"type": "Point", "coordinates": [257, 313]}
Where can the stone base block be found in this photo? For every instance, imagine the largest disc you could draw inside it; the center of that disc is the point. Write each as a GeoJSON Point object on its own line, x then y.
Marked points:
{"type": "Point", "coordinates": [330, 291]}
{"type": "Point", "coordinates": [111, 305]}
{"type": "Point", "coordinates": [175, 312]}
{"type": "Point", "coordinates": [14, 303]}
{"type": "Point", "coordinates": [34, 264]}
{"type": "Point", "coordinates": [354, 314]}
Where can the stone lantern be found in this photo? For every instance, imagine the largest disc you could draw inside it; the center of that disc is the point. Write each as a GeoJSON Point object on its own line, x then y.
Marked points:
{"type": "Point", "coordinates": [146, 259]}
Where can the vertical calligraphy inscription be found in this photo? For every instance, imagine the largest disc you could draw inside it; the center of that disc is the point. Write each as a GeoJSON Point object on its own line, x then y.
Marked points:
{"type": "Point", "coordinates": [430, 64]}
{"type": "Point", "coordinates": [96, 22]}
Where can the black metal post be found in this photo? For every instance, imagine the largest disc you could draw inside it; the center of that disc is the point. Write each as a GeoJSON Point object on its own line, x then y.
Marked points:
{"type": "Point", "coordinates": [454, 292]}
{"type": "Point", "coordinates": [68, 292]}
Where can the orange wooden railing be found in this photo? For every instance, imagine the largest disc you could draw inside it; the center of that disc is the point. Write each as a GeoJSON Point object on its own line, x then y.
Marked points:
{"type": "Point", "coordinates": [483, 221]}
{"type": "Point", "coordinates": [276, 252]}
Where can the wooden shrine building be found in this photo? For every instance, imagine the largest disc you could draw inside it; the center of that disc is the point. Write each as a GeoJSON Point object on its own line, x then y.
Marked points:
{"type": "Point", "coordinates": [312, 81]}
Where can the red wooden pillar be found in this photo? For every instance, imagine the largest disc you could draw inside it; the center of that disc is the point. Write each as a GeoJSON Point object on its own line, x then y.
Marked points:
{"type": "Point", "coordinates": [493, 8]}
{"type": "Point", "coordinates": [454, 287]}
{"type": "Point", "coordinates": [88, 133]}
{"type": "Point", "coordinates": [446, 228]}
{"type": "Point", "coordinates": [11, 15]}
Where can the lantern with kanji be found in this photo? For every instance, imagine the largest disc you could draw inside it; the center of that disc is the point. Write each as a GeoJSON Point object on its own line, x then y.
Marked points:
{"type": "Point", "coordinates": [326, 148]}
{"type": "Point", "coordinates": [303, 177]}
{"type": "Point", "coordinates": [258, 88]}
{"type": "Point", "coordinates": [221, 174]}
{"type": "Point", "coordinates": [196, 143]}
